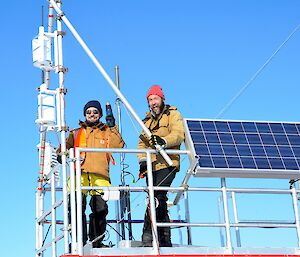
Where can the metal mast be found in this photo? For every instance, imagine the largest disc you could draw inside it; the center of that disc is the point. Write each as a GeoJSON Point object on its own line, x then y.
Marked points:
{"type": "Point", "coordinates": [125, 195]}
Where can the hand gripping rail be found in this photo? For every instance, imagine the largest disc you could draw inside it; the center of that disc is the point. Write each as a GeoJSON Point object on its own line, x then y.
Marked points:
{"type": "Point", "coordinates": [108, 79]}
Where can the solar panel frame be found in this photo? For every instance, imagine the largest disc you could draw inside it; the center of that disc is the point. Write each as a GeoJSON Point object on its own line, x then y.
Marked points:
{"type": "Point", "coordinates": [240, 148]}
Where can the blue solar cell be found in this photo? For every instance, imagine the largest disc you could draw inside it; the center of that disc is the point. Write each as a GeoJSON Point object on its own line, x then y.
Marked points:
{"type": "Point", "coordinates": [276, 163]}
{"type": "Point", "coordinates": [240, 138]}
{"type": "Point", "coordinates": [262, 163]}
{"type": "Point", "coordinates": [290, 128]}
{"type": "Point", "coordinates": [253, 139]}
{"type": "Point", "coordinates": [215, 149]}
{"type": "Point", "coordinates": [208, 126]}
{"type": "Point", "coordinates": [298, 127]}
{"type": "Point", "coordinates": [290, 164]}
{"type": "Point", "coordinates": [294, 139]}
{"type": "Point", "coordinates": [249, 127]}
{"type": "Point", "coordinates": [198, 137]}
{"type": "Point", "coordinates": [271, 151]}
{"type": "Point", "coordinates": [236, 126]}
{"type": "Point", "coordinates": [226, 138]}
{"type": "Point", "coordinates": [202, 149]}
{"type": "Point", "coordinates": [298, 161]}
{"type": "Point", "coordinates": [263, 127]}
{"type": "Point", "coordinates": [296, 151]}
{"type": "Point", "coordinates": [205, 161]}
{"type": "Point", "coordinates": [212, 138]}
{"type": "Point", "coordinates": [285, 151]}
{"type": "Point", "coordinates": [194, 125]}
{"type": "Point", "coordinates": [222, 126]}
{"type": "Point", "coordinates": [281, 139]}
{"type": "Point", "coordinates": [234, 162]}
{"type": "Point", "coordinates": [267, 139]}
{"type": "Point", "coordinates": [248, 163]}
{"type": "Point", "coordinates": [244, 150]}
{"type": "Point", "coordinates": [258, 150]}
{"type": "Point", "coordinates": [219, 162]}
{"type": "Point", "coordinates": [230, 150]}
{"type": "Point", "coordinates": [277, 128]}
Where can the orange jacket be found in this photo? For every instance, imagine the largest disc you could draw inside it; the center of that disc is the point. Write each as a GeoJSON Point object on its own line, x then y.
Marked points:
{"type": "Point", "coordinates": [100, 136]}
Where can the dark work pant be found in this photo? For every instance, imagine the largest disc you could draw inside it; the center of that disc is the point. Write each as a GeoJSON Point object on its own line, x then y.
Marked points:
{"type": "Point", "coordinates": [84, 223]}
{"type": "Point", "coordinates": [164, 178]}
{"type": "Point", "coordinates": [98, 222]}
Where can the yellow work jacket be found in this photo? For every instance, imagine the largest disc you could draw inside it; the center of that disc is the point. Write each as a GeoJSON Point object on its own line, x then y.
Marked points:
{"type": "Point", "coordinates": [169, 126]}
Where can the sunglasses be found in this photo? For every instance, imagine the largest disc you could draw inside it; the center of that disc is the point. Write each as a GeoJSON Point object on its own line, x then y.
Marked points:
{"type": "Point", "coordinates": [91, 111]}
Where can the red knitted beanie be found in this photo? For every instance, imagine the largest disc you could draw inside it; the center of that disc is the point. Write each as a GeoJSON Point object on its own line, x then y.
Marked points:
{"type": "Point", "coordinates": [156, 90]}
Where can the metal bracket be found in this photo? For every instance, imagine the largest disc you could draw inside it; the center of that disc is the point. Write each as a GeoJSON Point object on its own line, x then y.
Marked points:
{"type": "Point", "coordinates": [185, 186]}
{"type": "Point", "coordinates": [62, 69]}
{"type": "Point", "coordinates": [61, 33]}
{"type": "Point", "coordinates": [60, 15]}
{"type": "Point", "coordinates": [64, 128]}
{"type": "Point", "coordinates": [63, 90]}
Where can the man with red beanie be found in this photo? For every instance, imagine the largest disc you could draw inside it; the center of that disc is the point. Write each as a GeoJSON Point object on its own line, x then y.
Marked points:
{"type": "Point", "coordinates": [166, 126]}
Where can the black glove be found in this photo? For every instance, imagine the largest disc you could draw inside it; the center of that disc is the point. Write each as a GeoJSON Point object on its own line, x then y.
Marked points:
{"type": "Point", "coordinates": [110, 121]}
{"type": "Point", "coordinates": [58, 158]}
{"type": "Point", "coordinates": [143, 169]}
{"type": "Point", "coordinates": [156, 140]}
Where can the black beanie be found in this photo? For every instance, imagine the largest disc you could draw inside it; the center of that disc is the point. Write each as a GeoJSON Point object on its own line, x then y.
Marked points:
{"type": "Point", "coordinates": [93, 103]}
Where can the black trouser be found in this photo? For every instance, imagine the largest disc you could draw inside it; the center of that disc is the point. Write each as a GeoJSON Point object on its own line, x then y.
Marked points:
{"type": "Point", "coordinates": [98, 222]}
{"type": "Point", "coordinates": [84, 225]}
{"type": "Point", "coordinates": [164, 178]}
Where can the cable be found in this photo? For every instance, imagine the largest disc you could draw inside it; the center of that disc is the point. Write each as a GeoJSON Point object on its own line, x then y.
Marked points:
{"type": "Point", "coordinates": [256, 74]}
{"type": "Point", "coordinates": [292, 182]}
{"type": "Point", "coordinates": [131, 120]}
{"type": "Point", "coordinates": [46, 234]}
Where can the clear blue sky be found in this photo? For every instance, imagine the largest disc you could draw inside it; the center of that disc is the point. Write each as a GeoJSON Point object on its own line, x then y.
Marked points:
{"type": "Point", "coordinates": [201, 52]}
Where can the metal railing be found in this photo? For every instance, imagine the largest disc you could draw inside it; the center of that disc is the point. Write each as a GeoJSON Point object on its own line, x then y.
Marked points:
{"type": "Point", "coordinates": [75, 226]}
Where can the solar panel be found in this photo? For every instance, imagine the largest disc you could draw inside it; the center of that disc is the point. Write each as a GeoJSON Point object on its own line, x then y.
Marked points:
{"type": "Point", "coordinates": [244, 148]}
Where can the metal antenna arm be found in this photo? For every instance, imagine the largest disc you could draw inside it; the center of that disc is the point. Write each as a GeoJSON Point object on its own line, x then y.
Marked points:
{"type": "Point", "coordinates": [108, 79]}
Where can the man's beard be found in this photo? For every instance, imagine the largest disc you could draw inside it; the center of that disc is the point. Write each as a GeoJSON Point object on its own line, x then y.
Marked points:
{"type": "Point", "coordinates": [158, 111]}
{"type": "Point", "coordinates": [92, 123]}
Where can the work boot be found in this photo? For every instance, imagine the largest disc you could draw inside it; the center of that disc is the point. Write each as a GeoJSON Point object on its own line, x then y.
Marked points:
{"type": "Point", "coordinates": [97, 227]}
{"type": "Point", "coordinates": [146, 239]}
{"type": "Point", "coordinates": [147, 231]}
{"type": "Point", "coordinates": [99, 244]}
{"type": "Point", "coordinates": [164, 237]}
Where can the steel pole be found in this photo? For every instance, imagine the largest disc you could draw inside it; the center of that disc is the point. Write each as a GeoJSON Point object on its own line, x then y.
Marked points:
{"type": "Point", "coordinates": [121, 214]}
{"type": "Point", "coordinates": [152, 204]}
{"type": "Point", "coordinates": [62, 128]}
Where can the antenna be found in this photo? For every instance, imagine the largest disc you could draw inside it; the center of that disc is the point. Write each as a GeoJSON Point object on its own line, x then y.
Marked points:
{"type": "Point", "coordinates": [125, 203]}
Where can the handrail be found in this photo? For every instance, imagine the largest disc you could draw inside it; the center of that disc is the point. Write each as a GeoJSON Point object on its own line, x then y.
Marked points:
{"type": "Point", "coordinates": [77, 248]}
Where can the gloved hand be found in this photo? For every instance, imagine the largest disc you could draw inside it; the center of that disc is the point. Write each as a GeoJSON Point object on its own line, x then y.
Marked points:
{"type": "Point", "coordinates": [110, 121]}
{"type": "Point", "coordinates": [58, 158]}
{"type": "Point", "coordinates": [143, 169]}
{"type": "Point", "coordinates": [156, 140]}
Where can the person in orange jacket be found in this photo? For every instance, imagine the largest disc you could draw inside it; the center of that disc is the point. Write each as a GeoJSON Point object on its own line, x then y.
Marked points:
{"type": "Point", "coordinates": [166, 126]}
{"type": "Point", "coordinates": [92, 133]}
